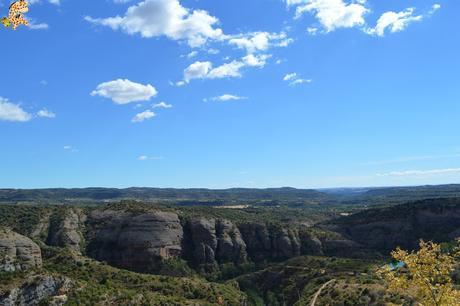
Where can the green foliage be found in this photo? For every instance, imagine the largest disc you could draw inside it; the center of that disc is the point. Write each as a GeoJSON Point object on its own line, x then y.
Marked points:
{"type": "Point", "coordinates": [99, 282]}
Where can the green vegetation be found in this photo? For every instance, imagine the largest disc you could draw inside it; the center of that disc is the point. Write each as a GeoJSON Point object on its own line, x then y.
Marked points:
{"type": "Point", "coordinates": [295, 282]}
{"type": "Point", "coordinates": [97, 283]}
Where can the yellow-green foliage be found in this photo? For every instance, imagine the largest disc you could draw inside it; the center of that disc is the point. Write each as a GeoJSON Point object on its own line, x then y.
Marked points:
{"type": "Point", "coordinates": [426, 275]}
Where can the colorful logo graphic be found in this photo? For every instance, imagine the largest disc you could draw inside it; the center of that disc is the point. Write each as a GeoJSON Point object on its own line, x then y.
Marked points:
{"type": "Point", "coordinates": [16, 15]}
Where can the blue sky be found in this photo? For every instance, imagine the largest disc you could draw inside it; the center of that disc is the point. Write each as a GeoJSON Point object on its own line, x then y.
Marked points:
{"type": "Point", "coordinates": [206, 93]}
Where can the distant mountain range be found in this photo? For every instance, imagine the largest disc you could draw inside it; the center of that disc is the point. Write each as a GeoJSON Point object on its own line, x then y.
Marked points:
{"type": "Point", "coordinates": [269, 196]}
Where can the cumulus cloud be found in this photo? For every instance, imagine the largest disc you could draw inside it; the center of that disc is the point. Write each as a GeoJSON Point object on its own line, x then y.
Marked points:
{"type": "Point", "coordinates": [145, 115]}
{"type": "Point", "coordinates": [12, 112]}
{"type": "Point", "coordinates": [332, 14]}
{"type": "Point", "coordinates": [205, 70]}
{"type": "Point", "coordinates": [335, 14]}
{"type": "Point", "coordinates": [394, 22]}
{"type": "Point", "coordinates": [153, 18]}
{"type": "Point", "coordinates": [125, 91]}
{"type": "Point", "coordinates": [259, 41]}
{"type": "Point", "coordinates": [227, 97]}
{"type": "Point", "coordinates": [44, 113]}
{"type": "Point", "coordinates": [162, 105]}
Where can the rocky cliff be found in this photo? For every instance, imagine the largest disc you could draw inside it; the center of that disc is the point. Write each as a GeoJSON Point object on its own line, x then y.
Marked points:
{"type": "Point", "coordinates": [208, 242]}
{"type": "Point", "coordinates": [65, 229]}
{"type": "Point", "coordinates": [403, 225]}
{"type": "Point", "coordinates": [135, 241]}
{"type": "Point", "coordinates": [18, 252]}
{"type": "Point", "coordinates": [37, 289]}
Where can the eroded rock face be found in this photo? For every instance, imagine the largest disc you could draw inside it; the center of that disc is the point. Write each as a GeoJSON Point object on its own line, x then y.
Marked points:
{"type": "Point", "coordinates": [270, 243]}
{"type": "Point", "coordinates": [203, 235]}
{"type": "Point", "coordinates": [17, 252]}
{"type": "Point", "coordinates": [404, 225]}
{"type": "Point", "coordinates": [257, 239]}
{"type": "Point", "coordinates": [138, 242]}
{"type": "Point", "coordinates": [36, 289]}
{"type": "Point", "coordinates": [214, 241]}
{"type": "Point", "coordinates": [67, 232]}
{"type": "Point", "coordinates": [230, 244]}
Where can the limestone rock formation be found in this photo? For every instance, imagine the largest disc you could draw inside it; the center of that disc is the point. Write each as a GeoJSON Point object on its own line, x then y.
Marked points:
{"type": "Point", "coordinates": [37, 288]}
{"type": "Point", "coordinates": [403, 225]}
{"type": "Point", "coordinates": [213, 242]}
{"type": "Point", "coordinates": [18, 252]}
{"type": "Point", "coordinates": [230, 245]}
{"type": "Point", "coordinates": [134, 241]}
{"type": "Point", "coordinates": [67, 231]}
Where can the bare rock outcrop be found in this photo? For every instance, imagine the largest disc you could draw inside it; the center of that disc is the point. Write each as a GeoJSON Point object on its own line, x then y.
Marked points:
{"type": "Point", "coordinates": [134, 241]}
{"type": "Point", "coordinates": [17, 252]}
{"type": "Point", "coordinates": [66, 230]}
{"type": "Point", "coordinates": [404, 225]}
{"type": "Point", "coordinates": [230, 244]}
{"type": "Point", "coordinates": [270, 242]}
{"type": "Point", "coordinates": [36, 289]}
{"type": "Point", "coordinates": [213, 241]}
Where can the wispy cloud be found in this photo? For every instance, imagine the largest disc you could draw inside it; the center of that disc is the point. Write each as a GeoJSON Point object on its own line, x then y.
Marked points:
{"type": "Point", "coordinates": [294, 79]}
{"type": "Point", "coordinates": [420, 173]}
{"type": "Point", "coordinates": [70, 148]}
{"type": "Point", "coordinates": [145, 115]}
{"type": "Point", "coordinates": [145, 157]}
{"type": "Point", "coordinates": [410, 159]}
{"type": "Point", "coordinates": [162, 105]}
{"type": "Point", "coordinates": [44, 113]}
{"type": "Point", "coordinates": [227, 97]}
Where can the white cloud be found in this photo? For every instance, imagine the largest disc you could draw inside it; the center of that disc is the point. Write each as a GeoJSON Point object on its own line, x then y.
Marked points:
{"type": "Point", "coordinates": [205, 70]}
{"type": "Point", "coordinates": [124, 91]}
{"type": "Point", "coordinates": [44, 113]}
{"type": "Point", "coordinates": [435, 7]}
{"type": "Point", "coordinates": [227, 97]}
{"type": "Point", "coordinates": [197, 70]}
{"type": "Point", "coordinates": [153, 18]}
{"type": "Point", "coordinates": [192, 54]}
{"type": "Point", "coordinates": [290, 76]}
{"type": "Point", "coordinates": [418, 173]}
{"type": "Point", "coordinates": [55, 2]}
{"type": "Point", "coordinates": [38, 26]}
{"type": "Point", "coordinates": [12, 112]}
{"type": "Point", "coordinates": [312, 31]}
{"type": "Point", "coordinates": [140, 117]}
{"type": "Point", "coordinates": [294, 79]}
{"type": "Point", "coordinates": [300, 81]}
{"type": "Point", "coordinates": [145, 157]}
{"type": "Point", "coordinates": [394, 22]}
{"type": "Point", "coordinates": [333, 14]}
{"type": "Point", "coordinates": [162, 105]}
{"type": "Point", "coordinates": [259, 41]}
{"type": "Point", "coordinates": [70, 149]}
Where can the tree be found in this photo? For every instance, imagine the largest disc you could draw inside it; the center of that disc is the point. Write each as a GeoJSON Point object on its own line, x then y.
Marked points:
{"type": "Point", "coordinates": [425, 275]}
